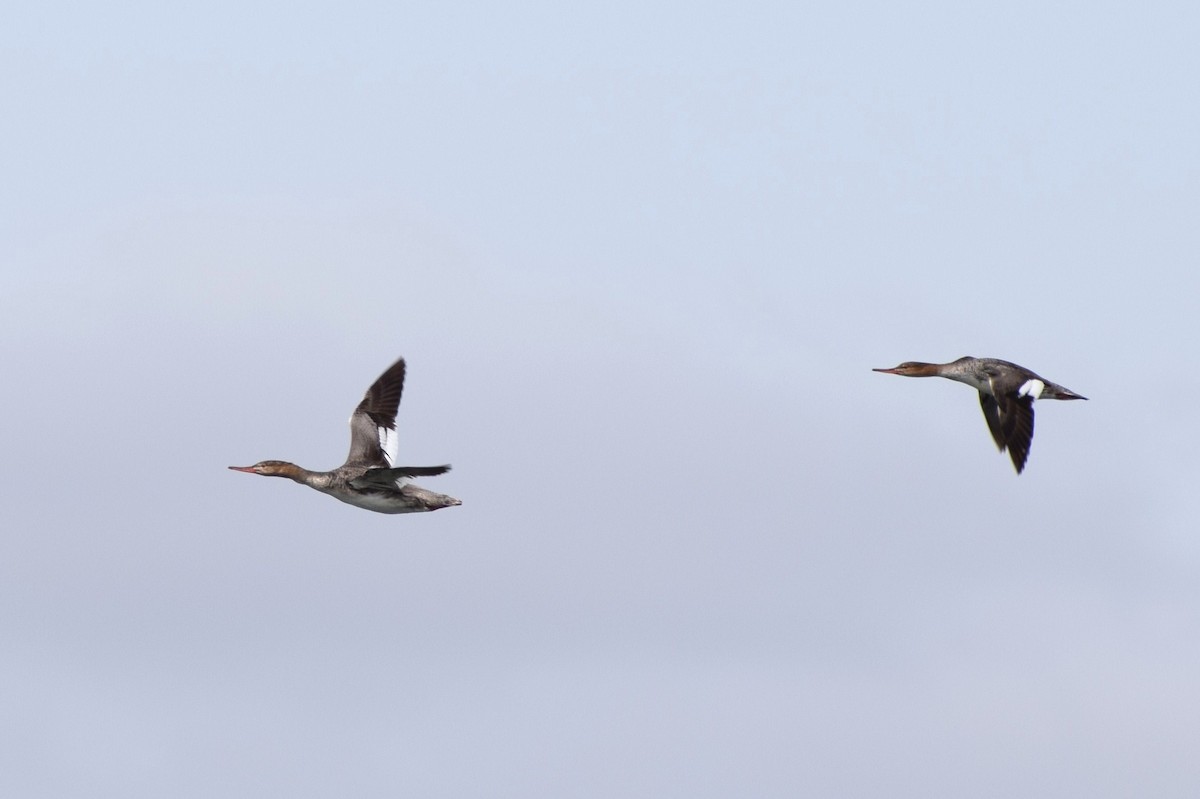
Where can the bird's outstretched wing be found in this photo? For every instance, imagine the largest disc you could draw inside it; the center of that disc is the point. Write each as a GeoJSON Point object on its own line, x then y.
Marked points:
{"type": "Point", "coordinates": [991, 412]}
{"type": "Point", "coordinates": [1016, 427]}
{"type": "Point", "coordinates": [374, 420]}
{"type": "Point", "coordinates": [389, 478]}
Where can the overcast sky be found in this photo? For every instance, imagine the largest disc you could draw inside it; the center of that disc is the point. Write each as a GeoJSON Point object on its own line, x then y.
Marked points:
{"type": "Point", "coordinates": [641, 260]}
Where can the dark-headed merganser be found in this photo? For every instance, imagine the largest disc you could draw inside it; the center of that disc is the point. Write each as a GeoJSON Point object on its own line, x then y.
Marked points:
{"type": "Point", "coordinates": [1006, 393]}
{"type": "Point", "coordinates": [367, 478]}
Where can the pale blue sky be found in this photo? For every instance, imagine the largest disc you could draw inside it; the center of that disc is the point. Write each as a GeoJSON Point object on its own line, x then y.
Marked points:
{"type": "Point", "coordinates": [641, 261]}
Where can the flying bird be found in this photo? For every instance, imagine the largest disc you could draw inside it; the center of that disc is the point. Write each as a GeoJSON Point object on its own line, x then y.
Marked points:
{"type": "Point", "coordinates": [368, 479]}
{"type": "Point", "coordinates": [1006, 394]}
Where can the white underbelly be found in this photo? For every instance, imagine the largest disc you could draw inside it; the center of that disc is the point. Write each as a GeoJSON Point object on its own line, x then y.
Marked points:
{"type": "Point", "coordinates": [379, 503]}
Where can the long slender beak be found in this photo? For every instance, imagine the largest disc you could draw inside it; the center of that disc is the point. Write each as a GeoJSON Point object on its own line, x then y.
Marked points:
{"type": "Point", "coordinates": [249, 469]}
{"type": "Point", "coordinates": [891, 371]}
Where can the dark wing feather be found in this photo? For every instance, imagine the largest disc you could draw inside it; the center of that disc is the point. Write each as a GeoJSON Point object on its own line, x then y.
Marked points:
{"type": "Point", "coordinates": [377, 409]}
{"type": "Point", "coordinates": [386, 478]}
{"type": "Point", "coordinates": [991, 412]}
{"type": "Point", "coordinates": [1016, 423]}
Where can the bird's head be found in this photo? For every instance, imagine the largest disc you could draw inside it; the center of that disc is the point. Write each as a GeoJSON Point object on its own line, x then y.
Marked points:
{"type": "Point", "coordinates": [270, 469]}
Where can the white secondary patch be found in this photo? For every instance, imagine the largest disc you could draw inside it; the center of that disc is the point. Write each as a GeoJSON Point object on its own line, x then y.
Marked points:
{"type": "Point", "coordinates": [387, 442]}
{"type": "Point", "coordinates": [1033, 388]}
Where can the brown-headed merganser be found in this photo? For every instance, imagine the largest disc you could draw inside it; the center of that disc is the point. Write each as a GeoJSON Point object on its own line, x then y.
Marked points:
{"type": "Point", "coordinates": [1006, 393]}
{"type": "Point", "coordinates": [367, 478]}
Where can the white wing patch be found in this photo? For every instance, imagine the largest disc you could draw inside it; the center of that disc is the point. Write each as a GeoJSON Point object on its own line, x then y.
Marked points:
{"type": "Point", "coordinates": [387, 442]}
{"type": "Point", "coordinates": [1033, 388]}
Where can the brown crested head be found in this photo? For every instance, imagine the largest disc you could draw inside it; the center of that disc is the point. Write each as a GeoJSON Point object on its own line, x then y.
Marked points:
{"type": "Point", "coordinates": [268, 468]}
{"type": "Point", "coordinates": [911, 369]}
